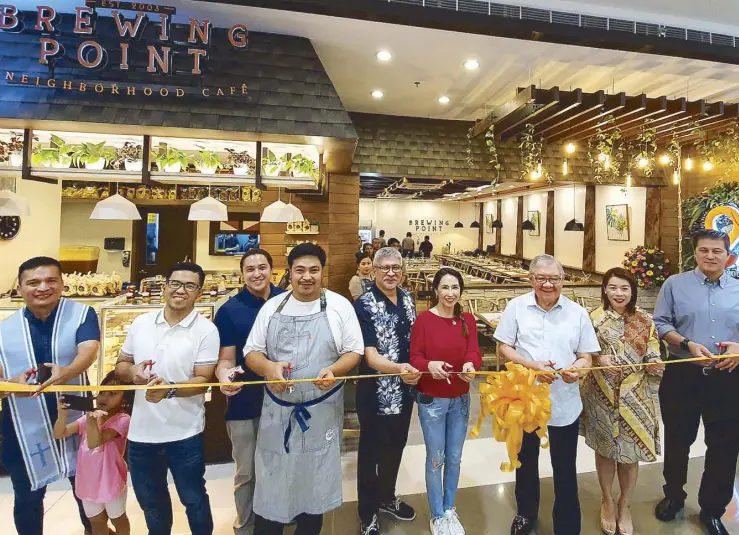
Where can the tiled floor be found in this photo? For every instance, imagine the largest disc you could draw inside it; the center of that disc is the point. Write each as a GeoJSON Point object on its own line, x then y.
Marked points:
{"type": "Point", "coordinates": [485, 502]}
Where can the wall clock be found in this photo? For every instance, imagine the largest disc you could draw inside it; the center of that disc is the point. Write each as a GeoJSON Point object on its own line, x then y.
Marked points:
{"type": "Point", "coordinates": [10, 226]}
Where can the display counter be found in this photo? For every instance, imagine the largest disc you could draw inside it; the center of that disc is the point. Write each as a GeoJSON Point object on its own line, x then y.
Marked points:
{"type": "Point", "coordinates": [9, 305]}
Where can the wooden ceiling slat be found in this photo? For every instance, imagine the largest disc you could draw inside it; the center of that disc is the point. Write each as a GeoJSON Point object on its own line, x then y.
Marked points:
{"type": "Point", "coordinates": [569, 100]}
{"type": "Point", "coordinates": [522, 100]}
{"type": "Point", "coordinates": [543, 100]}
{"type": "Point", "coordinates": [591, 105]}
{"type": "Point", "coordinates": [641, 112]}
{"type": "Point", "coordinates": [611, 104]}
{"type": "Point", "coordinates": [676, 110]}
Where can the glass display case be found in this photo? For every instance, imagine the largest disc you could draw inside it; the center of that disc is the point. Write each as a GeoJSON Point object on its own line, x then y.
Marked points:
{"type": "Point", "coordinates": [116, 319]}
{"type": "Point", "coordinates": [10, 305]}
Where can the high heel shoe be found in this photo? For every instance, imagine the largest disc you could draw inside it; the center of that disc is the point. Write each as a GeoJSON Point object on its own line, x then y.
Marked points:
{"type": "Point", "coordinates": [630, 529]}
{"type": "Point", "coordinates": [606, 525]}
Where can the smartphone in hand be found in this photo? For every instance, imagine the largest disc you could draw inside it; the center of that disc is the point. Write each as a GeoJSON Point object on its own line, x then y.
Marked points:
{"type": "Point", "coordinates": [43, 374]}
{"type": "Point", "coordinates": [79, 403]}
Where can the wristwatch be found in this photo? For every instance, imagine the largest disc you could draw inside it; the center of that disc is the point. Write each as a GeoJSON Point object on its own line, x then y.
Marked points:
{"type": "Point", "coordinates": [685, 344]}
{"type": "Point", "coordinates": [171, 393]}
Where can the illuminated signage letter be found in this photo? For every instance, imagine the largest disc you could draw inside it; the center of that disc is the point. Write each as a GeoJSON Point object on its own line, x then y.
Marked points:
{"type": "Point", "coordinates": [164, 24]}
{"type": "Point", "coordinates": [45, 16]}
{"type": "Point", "coordinates": [50, 48]}
{"type": "Point", "coordinates": [82, 22]}
{"type": "Point", "coordinates": [124, 56]}
{"type": "Point", "coordinates": [237, 36]}
{"type": "Point", "coordinates": [161, 60]}
{"type": "Point", "coordinates": [203, 33]}
{"type": "Point", "coordinates": [84, 58]}
{"type": "Point", "coordinates": [66, 84]}
{"type": "Point", "coordinates": [8, 17]}
{"type": "Point", "coordinates": [125, 27]}
{"type": "Point", "coordinates": [196, 54]}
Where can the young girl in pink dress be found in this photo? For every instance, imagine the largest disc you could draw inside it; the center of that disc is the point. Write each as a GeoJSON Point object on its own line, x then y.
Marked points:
{"type": "Point", "coordinates": [101, 469]}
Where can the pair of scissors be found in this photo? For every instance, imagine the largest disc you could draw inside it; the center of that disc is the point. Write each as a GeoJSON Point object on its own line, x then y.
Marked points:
{"type": "Point", "coordinates": [288, 371]}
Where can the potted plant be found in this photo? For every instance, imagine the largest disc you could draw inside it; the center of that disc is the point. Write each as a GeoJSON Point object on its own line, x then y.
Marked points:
{"type": "Point", "coordinates": [243, 163]}
{"type": "Point", "coordinates": [171, 160]}
{"type": "Point", "coordinates": [208, 162]}
{"type": "Point", "coordinates": [12, 151]}
{"type": "Point", "coordinates": [314, 226]}
{"type": "Point", "coordinates": [58, 154]}
{"type": "Point", "coordinates": [273, 166]}
{"type": "Point", "coordinates": [303, 167]}
{"type": "Point", "coordinates": [131, 155]}
{"type": "Point", "coordinates": [93, 156]}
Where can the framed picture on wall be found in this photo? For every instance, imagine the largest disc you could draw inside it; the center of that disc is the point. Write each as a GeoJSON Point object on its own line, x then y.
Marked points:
{"type": "Point", "coordinates": [617, 222]}
{"type": "Point", "coordinates": [489, 223]}
{"type": "Point", "coordinates": [535, 220]}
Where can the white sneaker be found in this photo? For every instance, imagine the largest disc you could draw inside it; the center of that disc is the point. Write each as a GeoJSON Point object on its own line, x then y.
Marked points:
{"type": "Point", "coordinates": [439, 526]}
{"type": "Point", "coordinates": [453, 523]}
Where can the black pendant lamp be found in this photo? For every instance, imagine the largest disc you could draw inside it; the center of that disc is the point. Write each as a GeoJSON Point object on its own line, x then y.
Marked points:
{"type": "Point", "coordinates": [528, 225]}
{"type": "Point", "coordinates": [573, 225]}
{"type": "Point", "coordinates": [475, 223]}
{"type": "Point", "coordinates": [497, 224]}
{"type": "Point", "coordinates": [458, 224]}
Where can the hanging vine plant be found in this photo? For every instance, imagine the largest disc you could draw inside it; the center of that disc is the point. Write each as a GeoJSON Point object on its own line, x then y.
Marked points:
{"type": "Point", "coordinates": [470, 160]}
{"type": "Point", "coordinates": [605, 151]}
{"type": "Point", "coordinates": [646, 144]}
{"type": "Point", "coordinates": [492, 153]}
{"type": "Point", "coordinates": [728, 150]}
{"type": "Point", "coordinates": [674, 150]}
{"type": "Point", "coordinates": [531, 151]}
{"type": "Point", "coordinates": [703, 147]}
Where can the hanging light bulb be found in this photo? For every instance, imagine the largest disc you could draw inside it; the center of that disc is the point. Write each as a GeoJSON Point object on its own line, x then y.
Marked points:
{"type": "Point", "coordinates": [642, 163]}
{"type": "Point", "coordinates": [628, 180]}
{"type": "Point", "coordinates": [565, 168]}
{"type": "Point", "coordinates": [602, 157]}
{"type": "Point", "coordinates": [538, 168]}
{"type": "Point", "coordinates": [676, 178]}
{"type": "Point", "coordinates": [707, 165]}
{"type": "Point", "coordinates": [607, 162]}
{"type": "Point", "coordinates": [535, 175]}
{"type": "Point", "coordinates": [665, 159]}
{"type": "Point", "coordinates": [570, 148]}
{"type": "Point", "coordinates": [689, 163]}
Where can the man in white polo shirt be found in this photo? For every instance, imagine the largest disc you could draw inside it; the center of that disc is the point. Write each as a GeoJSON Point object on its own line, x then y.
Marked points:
{"type": "Point", "coordinates": [543, 330]}
{"type": "Point", "coordinates": [172, 345]}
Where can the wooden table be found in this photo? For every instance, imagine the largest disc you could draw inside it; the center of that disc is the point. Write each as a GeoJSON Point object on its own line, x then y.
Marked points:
{"type": "Point", "coordinates": [470, 282]}
{"type": "Point", "coordinates": [491, 319]}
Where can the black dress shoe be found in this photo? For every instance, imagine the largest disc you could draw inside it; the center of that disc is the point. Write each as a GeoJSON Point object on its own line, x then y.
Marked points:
{"type": "Point", "coordinates": [522, 526]}
{"type": "Point", "coordinates": [712, 525]}
{"type": "Point", "coordinates": [668, 509]}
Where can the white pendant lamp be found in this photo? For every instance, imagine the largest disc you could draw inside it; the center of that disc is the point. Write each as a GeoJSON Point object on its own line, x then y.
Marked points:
{"type": "Point", "coordinates": [116, 207]}
{"type": "Point", "coordinates": [208, 209]}
{"type": "Point", "coordinates": [277, 212]}
{"type": "Point", "coordinates": [297, 214]}
{"type": "Point", "coordinates": [12, 204]}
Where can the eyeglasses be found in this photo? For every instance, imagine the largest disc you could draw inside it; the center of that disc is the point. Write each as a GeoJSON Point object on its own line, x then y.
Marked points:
{"type": "Point", "coordinates": [550, 280]}
{"type": "Point", "coordinates": [189, 286]}
{"type": "Point", "coordinates": [388, 269]}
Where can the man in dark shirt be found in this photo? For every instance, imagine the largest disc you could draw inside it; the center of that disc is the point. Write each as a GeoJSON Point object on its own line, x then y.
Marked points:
{"type": "Point", "coordinates": [234, 321]}
{"type": "Point", "coordinates": [386, 314]}
{"type": "Point", "coordinates": [425, 247]}
{"type": "Point", "coordinates": [697, 316]}
{"type": "Point", "coordinates": [65, 337]}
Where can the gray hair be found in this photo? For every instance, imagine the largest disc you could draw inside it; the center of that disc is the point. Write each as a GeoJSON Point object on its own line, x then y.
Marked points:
{"type": "Point", "coordinates": [545, 260]}
{"type": "Point", "coordinates": [387, 252]}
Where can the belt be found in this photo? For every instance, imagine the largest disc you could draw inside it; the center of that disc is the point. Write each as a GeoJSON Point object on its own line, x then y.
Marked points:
{"type": "Point", "coordinates": [300, 411]}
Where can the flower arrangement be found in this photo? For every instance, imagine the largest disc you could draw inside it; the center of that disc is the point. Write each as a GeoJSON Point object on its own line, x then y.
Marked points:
{"type": "Point", "coordinates": [649, 266]}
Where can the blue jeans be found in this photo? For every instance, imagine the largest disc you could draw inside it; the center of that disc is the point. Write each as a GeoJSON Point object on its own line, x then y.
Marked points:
{"type": "Point", "coordinates": [444, 426]}
{"type": "Point", "coordinates": [148, 465]}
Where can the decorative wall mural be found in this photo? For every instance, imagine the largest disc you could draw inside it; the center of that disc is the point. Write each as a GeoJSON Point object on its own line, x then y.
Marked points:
{"type": "Point", "coordinates": [489, 223]}
{"type": "Point", "coordinates": [535, 220]}
{"type": "Point", "coordinates": [617, 222]}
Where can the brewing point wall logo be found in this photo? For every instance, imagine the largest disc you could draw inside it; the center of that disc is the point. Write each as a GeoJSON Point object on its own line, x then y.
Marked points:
{"type": "Point", "coordinates": [159, 49]}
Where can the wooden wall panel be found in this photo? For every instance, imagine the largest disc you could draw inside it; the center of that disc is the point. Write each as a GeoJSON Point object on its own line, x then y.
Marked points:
{"type": "Point", "coordinates": [668, 233]}
{"type": "Point", "coordinates": [343, 211]}
{"type": "Point", "coordinates": [549, 239]}
{"type": "Point", "coordinates": [498, 233]}
{"type": "Point", "coordinates": [519, 228]}
{"type": "Point", "coordinates": [653, 217]}
{"type": "Point", "coordinates": [588, 249]}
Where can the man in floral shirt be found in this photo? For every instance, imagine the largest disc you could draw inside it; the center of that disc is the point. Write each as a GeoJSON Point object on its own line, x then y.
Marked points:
{"type": "Point", "coordinates": [386, 314]}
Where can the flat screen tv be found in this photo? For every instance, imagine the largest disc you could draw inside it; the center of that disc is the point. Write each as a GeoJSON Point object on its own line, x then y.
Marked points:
{"type": "Point", "coordinates": [234, 244]}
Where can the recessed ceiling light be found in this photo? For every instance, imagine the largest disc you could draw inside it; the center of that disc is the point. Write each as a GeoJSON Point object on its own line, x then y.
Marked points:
{"type": "Point", "coordinates": [444, 100]}
{"type": "Point", "coordinates": [384, 55]}
{"type": "Point", "coordinates": [471, 64]}
{"type": "Point", "coordinates": [377, 94]}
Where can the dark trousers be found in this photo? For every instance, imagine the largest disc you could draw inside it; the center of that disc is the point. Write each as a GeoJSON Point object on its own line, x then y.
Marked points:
{"type": "Point", "coordinates": [28, 505]}
{"type": "Point", "coordinates": [148, 464]}
{"type": "Point", "coordinates": [686, 395]}
{"type": "Point", "coordinates": [563, 448]}
{"type": "Point", "coordinates": [381, 442]}
{"type": "Point", "coordinates": [305, 525]}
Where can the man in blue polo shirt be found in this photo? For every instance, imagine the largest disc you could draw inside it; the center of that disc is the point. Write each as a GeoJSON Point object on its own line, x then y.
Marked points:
{"type": "Point", "coordinates": [62, 337]}
{"type": "Point", "coordinates": [234, 321]}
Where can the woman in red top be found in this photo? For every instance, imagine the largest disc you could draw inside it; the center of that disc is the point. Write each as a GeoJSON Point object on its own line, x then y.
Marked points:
{"type": "Point", "coordinates": [444, 343]}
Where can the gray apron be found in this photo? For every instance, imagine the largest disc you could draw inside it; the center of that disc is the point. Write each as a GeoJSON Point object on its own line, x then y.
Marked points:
{"type": "Point", "coordinates": [298, 455]}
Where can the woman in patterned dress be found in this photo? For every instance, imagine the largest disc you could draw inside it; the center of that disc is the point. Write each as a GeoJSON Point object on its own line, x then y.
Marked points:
{"type": "Point", "coordinates": [619, 416]}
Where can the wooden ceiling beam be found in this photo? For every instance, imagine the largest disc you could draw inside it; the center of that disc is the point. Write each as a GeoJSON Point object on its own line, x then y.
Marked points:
{"type": "Point", "coordinates": [731, 113]}
{"type": "Point", "coordinates": [642, 111]}
{"type": "Point", "coordinates": [711, 113]}
{"type": "Point", "coordinates": [568, 101]}
{"type": "Point", "coordinates": [591, 104]}
{"type": "Point", "coordinates": [543, 100]}
{"type": "Point", "coordinates": [711, 129]}
{"type": "Point", "coordinates": [612, 104]}
{"type": "Point", "coordinates": [520, 103]}
{"type": "Point", "coordinates": [676, 111]}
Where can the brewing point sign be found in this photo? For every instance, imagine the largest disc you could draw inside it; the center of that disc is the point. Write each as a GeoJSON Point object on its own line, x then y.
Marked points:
{"type": "Point", "coordinates": [145, 43]}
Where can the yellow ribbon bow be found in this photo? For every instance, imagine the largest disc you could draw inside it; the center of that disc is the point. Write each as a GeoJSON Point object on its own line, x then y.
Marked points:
{"type": "Point", "coordinates": [517, 404]}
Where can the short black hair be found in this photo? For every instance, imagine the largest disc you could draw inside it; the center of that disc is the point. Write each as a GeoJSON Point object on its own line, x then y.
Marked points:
{"type": "Point", "coordinates": [306, 249]}
{"type": "Point", "coordinates": [408, 234]}
{"type": "Point", "coordinates": [382, 233]}
{"type": "Point", "coordinates": [253, 252]}
{"type": "Point", "coordinates": [393, 241]}
{"type": "Point", "coordinates": [710, 234]}
{"type": "Point", "coordinates": [426, 238]}
{"type": "Point", "coordinates": [187, 266]}
{"type": "Point", "coordinates": [37, 262]}
{"type": "Point", "coordinates": [113, 379]}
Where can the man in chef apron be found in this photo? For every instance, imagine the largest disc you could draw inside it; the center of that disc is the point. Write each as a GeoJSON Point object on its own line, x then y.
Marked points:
{"type": "Point", "coordinates": [307, 333]}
